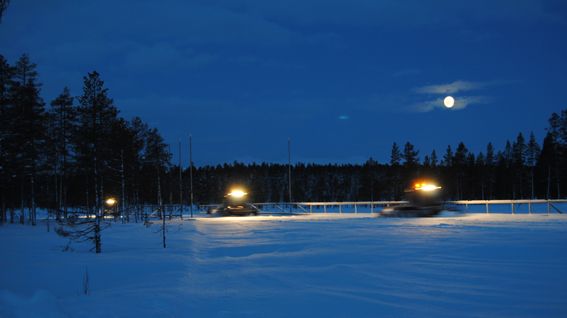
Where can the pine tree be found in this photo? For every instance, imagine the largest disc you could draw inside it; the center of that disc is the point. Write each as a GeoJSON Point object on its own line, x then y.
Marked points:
{"type": "Point", "coordinates": [558, 130]}
{"type": "Point", "coordinates": [395, 158]}
{"type": "Point", "coordinates": [481, 166]}
{"type": "Point", "coordinates": [434, 160]}
{"type": "Point", "coordinates": [555, 126]}
{"type": "Point", "coordinates": [368, 179]}
{"type": "Point", "coordinates": [557, 149]}
{"type": "Point", "coordinates": [546, 162]}
{"type": "Point", "coordinates": [29, 129]}
{"type": "Point", "coordinates": [139, 131]}
{"type": "Point", "coordinates": [157, 155]}
{"type": "Point", "coordinates": [507, 154]}
{"type": "Point", "coordinates": [410, 155]}
{"type": "Point", "coordinates": [395, 155]}
{"type": "Point", "coordinates": [460, 162]}
{"type": "Point", "coordinates": [7, 140]}
{"type": "Point", "coordinates": [448, 157]}
{"type": "Point", "coordinates": [62, 126]}
{"type": "Point", "coordinates": [532, 153]}
{"type": "Point", "coordinates": [96, 115]}
{"type": "Point", "coordinates": [518, 164]}
{"type": "Point", "coordinates": [519, 151]}
{"type": "Point", "coordinates": [426, 161]}
{"type": "Point", "coordinates": [489, 154]}
{"type": "Point", "coordinates": [490, 161]}
{"type": "Point", "coordinates": [460, 157]}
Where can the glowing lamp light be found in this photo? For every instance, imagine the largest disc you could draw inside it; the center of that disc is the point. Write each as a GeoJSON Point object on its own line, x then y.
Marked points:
{"type": "Point", "coordinates": [237, 193]}
{"type": "Point", "coordinates": [427, 187]}
{"type": "Point", "coordinates": [110, 201]}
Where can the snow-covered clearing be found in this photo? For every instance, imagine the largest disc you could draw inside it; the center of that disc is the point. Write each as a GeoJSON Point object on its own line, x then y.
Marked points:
{"type": "Point", "coordinates": [476, 265]}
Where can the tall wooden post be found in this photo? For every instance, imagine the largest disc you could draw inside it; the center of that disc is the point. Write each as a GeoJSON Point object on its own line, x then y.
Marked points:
{"type": "Point", "coordinates": [180, 183]}
{"type": "Point", "coordinates": [289, 170]}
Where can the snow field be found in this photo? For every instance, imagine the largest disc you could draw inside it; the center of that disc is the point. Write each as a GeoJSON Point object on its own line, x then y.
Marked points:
{"type": "Point", "coordinates": [476, 265]}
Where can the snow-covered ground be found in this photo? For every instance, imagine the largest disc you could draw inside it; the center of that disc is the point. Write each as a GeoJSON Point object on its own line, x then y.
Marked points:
{"type": "Point", "coordinates": [477, 265]}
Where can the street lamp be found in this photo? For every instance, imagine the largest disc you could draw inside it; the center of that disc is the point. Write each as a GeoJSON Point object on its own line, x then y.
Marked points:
{"type": "Point", "coordinates": [111, 201]}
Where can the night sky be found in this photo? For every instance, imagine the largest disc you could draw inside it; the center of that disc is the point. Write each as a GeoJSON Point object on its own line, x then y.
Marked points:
{"type": "Point", "coordinates": [342, 79]}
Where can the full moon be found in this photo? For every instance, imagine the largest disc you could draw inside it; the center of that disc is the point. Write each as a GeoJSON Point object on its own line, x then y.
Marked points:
{"type": "Point", "coordinates": [449, 101]}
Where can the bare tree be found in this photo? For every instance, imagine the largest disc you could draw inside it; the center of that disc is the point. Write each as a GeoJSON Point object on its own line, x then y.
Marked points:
{"type": "Point", "coordinates": [80, 229]}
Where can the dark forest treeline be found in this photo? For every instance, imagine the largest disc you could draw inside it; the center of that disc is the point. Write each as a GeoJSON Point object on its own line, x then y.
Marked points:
{"type": "Point", "coordinates": [74, 152]}
{"type": "Point", "coordinates": [77, 150]}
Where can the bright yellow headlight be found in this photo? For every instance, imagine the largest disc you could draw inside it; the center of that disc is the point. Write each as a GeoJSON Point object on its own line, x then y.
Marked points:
{"type": "Point", "coordinates": [237, 193]}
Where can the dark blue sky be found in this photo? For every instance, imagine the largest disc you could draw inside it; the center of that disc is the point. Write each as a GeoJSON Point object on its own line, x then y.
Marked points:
{"type": "Point", "coordinates": [342, 79]}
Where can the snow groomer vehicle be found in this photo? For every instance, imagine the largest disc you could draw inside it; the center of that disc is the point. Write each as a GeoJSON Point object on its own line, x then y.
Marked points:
{"type": "Point", "coordinates": [423, 200]}
{"type": "Point", "coordinates": [234, 203]}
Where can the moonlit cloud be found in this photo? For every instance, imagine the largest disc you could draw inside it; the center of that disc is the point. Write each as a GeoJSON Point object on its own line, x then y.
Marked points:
{"type": "Point", "coordinates": [456, 87]}
{"type": "Point", "coordinates": [451, 88]}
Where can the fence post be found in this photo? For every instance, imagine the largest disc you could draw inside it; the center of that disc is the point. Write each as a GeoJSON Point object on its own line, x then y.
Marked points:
{"type": "Point", "coordinates": [486, 207]}
{"type": "Point", "coordinates": [548, 207]}
{"type": "Point", "coordinates": [371, 208]}
{"type": "Point", "coordinates": [340, 208]}
{"type": "Point", "coordinates": [529, 207]}
{"type": "Point", "coordinates": [513, 208]}
{"type": "Point", "coordinates": [355, 209]}
{"type": "Point", "coordinates": [324, 208]}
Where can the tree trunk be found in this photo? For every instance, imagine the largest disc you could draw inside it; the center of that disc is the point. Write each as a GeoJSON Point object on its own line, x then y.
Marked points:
{"type": "Point", "coordinates": [87, 202]}
{"type": "Point", "coordinates": [123, 188]}
{"type": "Point", "coordinates": [57, 196]}
{"type": "Point", "coordinates": [4, 219]}
{"type": "Point", "coordinates": [548, 196]}
{"type": "Point", "coordinates": [159, 199]}
{"type": "Point", "coordinates": [97, 240]}
{"type": "Point", "coordinates": [33, 211]}
{"type": "Point", "coordinates": [532, 183]}
{"type": "Point", "coordinates": [22, 203]}
{"type": "Point", "coordinates": [163, 228]}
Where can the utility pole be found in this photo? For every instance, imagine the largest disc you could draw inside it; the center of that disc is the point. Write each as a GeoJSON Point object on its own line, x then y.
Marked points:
{"type": "Point", "coordinates": [289, 170]}
{"type": "Point", "coordinates": [180, 183]}
{"type": "Point", "coordinates": [191, 173]}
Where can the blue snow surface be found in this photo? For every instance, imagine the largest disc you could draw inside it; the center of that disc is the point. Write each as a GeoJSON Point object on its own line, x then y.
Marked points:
{"type": "Point", "coordinates": [474, 265]}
